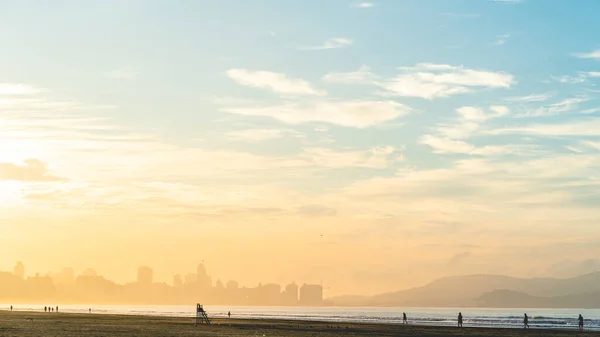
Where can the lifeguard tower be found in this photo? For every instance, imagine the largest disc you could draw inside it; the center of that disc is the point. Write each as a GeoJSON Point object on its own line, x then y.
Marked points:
{"type": "Point", "coordinates": [201, 316]}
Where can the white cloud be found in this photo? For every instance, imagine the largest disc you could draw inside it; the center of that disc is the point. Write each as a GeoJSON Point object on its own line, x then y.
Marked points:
{"type": "Point", "coordinates": [332, 43]}
{"type": "Point", "coordinates": [588, 127]}
{"type": "Point", "coordinates": [426, 80]}
{"type": "Point", "coordinates": [18, 89]}
{"type": "Point", "coordinates": [276, 82]}
{"type": "Point", "coordinates": [364, 5]}
{"type": "Point", "coordinates": [445, 145]}
{"type": "Point", "coordinates": [594, 145]}
{"type": "Point", "coordinates": [531, 98]}
{"type": "Point", "coordinates": [259, 135]}
{"type": "Point", "coordinates": [378, 157]}
{"type": "Point", "coordinates": [580, 78]}
{"type": "Point", "coordinates": [122, 74]}
{"type": "Point", "coordinates": [358, 114]}
{"type": "Point", "coordinates": [361, 76]}
{"type": "Point", "coordinates": [566, 105]}
{"type": "Point", "coordinates": [593, 55]}
{"type": "Point", "coordinates": [501, 39]}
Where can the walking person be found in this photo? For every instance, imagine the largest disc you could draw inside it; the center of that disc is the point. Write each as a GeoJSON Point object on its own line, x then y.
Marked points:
{"type": "Point", "coordinates": [460, 319]}
{"type": "Point", "coordinates": [580, 322]}
{"type": "Point", "coordinates": [525, 322]}
{"type": "Point", "coordinates": [404, 319]}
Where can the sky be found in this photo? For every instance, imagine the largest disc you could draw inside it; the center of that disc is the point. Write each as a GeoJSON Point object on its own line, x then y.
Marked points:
{"type": "Point", "coordinates": [371, 146]}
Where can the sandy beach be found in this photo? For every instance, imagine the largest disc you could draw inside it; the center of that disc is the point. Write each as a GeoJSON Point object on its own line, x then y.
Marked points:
{"type": "Point", "coordinates": [76, 325]}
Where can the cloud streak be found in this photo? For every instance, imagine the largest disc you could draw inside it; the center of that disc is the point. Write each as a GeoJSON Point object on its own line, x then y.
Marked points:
{"type": "Point", "coordinates": [276, 82]}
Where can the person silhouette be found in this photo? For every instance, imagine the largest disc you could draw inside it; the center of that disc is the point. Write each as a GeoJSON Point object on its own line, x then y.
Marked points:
{"type": "Point", "coordinates": [580, 322]}
{"type": "Point", "coordinates": [57, 308]}
{"type": "Point", "coordinates": [229, 314]}
{"type": "Point", "coordinates": [404, 319]}
{"type": "Point", "coordinates": [460, 320]}
{"type": "Point", "coordinates": [525, 322]}
{"type": "Point", "coordinates": [45, 309]}
{"type": "Point", "coordinates": [11, 308]}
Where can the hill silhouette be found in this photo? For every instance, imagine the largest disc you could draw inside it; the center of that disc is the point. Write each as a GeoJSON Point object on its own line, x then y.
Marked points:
{"type": "Point", "coordinates": [491, 291]}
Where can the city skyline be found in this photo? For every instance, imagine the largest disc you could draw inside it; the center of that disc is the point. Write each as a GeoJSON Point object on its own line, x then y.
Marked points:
{"type": "Point", "coordinates": [68, 287]}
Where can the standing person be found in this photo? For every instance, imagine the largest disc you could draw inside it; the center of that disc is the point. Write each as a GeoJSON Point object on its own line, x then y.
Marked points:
{"type": "Point", "coordinates": [525, 322]}
{"type": "Point", "coordinates": [45, 309]}
{"type": "Point", "coordinates": [460, 319]}
{"type": "Point", "coordinates": [229, 314]}
{"type": "Point", "coordinates": [57, 308]}
{"type": "Point", "coordinates": [11, 308]}
{"type": "Point", "coordinates": [580, 322]}
{"type": "Point", "coordinates": [404, 319]}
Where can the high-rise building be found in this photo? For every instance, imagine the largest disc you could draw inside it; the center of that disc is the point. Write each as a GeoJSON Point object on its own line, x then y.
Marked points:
{"type": "Point", "coordinates": [177, 281]}
{"type": "Point", "coordinates": [204, 281]}
{"type": "Point", "coordinates": [145, 275]}
{"type": "Point", "coordinates": [19, 270]}
{"type": "Point", "coordinates": [290, 295]}
{"type": "Point", "coordinates": [311, 294]}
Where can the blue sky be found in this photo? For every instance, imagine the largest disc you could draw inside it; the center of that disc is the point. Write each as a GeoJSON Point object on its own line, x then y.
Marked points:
{"type": "Point", "coordinates": [385, 124]}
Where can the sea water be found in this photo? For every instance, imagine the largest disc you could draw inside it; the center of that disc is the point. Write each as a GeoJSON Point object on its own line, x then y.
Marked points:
{"type": "Point", "coordinates": [474, 317]}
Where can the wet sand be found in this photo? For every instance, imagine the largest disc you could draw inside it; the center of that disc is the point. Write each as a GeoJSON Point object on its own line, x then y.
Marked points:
{"type": "Point", "coordinates": [78, 325]}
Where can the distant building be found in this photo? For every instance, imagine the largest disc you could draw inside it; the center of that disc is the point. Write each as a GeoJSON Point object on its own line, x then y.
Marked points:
{"type": "Point", "coordinates": [311, 294]}
{"type": "Point", "coordinates": [177, 281]}
{"type": "Point", "coordinates": [219, 285]}
{"type": "Point", "coordinates": [290, 295]}
{"type": "Point", "coordinates": [191, 279]}
{"type": "Point", "coordinates": [19, 270]}
{"type": "Point", "coordinates": [232, 285]}
{"type": "Point", "coordinates": [145, 275]}
{"type": "Point", "coordinates": [204, 281]}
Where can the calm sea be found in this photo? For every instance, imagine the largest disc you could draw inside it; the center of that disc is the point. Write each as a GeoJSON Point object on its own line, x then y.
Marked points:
{"type": "Point", "coordinates": [477, 317]}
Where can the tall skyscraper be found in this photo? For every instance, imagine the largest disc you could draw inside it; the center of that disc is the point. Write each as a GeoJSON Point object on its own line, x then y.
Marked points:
{"type": "Point", "coordinates": [204, 281]}
{"type": "Point", "coordinates": [145, 275]}
{"type": "Point", "coordinates": [19, 270]}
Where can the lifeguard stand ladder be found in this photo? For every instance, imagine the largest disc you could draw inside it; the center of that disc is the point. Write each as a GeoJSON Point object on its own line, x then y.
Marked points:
{"type": "Point", "coordinates": [201, 316]}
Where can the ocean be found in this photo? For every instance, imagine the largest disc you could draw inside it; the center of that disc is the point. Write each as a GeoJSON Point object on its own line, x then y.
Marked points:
{"type": "Point", "coordinates": [474, 317]}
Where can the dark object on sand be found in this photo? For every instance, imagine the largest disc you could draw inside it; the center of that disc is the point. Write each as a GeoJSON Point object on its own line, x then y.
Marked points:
{"type": "Point", "coordinates": [201, 316]}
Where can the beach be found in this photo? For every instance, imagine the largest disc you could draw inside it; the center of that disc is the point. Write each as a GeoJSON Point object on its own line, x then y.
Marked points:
{"type": "Point", "coordinates": [76, 325]}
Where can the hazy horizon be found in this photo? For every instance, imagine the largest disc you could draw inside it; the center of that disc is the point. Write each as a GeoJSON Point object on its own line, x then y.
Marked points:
{"type": "Point", "coordinates": [369, 146]}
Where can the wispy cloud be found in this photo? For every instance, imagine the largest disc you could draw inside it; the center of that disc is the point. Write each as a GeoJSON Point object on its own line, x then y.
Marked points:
{"type": "Point", "coordinates": [332, 43]}
{"type": "Point", "coordinates": [460, 15]}
{"type": "Point", "coordinates": [276, 82]}
{"type": "Point", "coordinates": [260, 135]}
{"type": "Point", "coordinates": [531, 98]}
{"type": "Point", "coordinates": [363, 5]}
{"type": "Point", "coordinates": [501, 39]}
{"type": "Point", "coordinates": [18, 89]}
{"type": "Point", "coordinates": [589, 127]}
{"type": "Point", "coordinates": [591, 55]}
{"type": "Point", "coordinates": [569, 79]}
{"type": "Point", "coordinates": [31, 170]}
{"type": "Point", "coordinates": [361, 76]}
{"type": "Point", "coordinates": [357, 113]}
{"type": "Point", "coordinates": [566, 105]}
{"type": "Point", "coordinates": [429, 81]}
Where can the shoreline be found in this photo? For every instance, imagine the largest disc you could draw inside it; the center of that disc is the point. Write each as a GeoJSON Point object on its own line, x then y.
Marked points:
{"type": "Point", "coordinates": [28, 323]}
